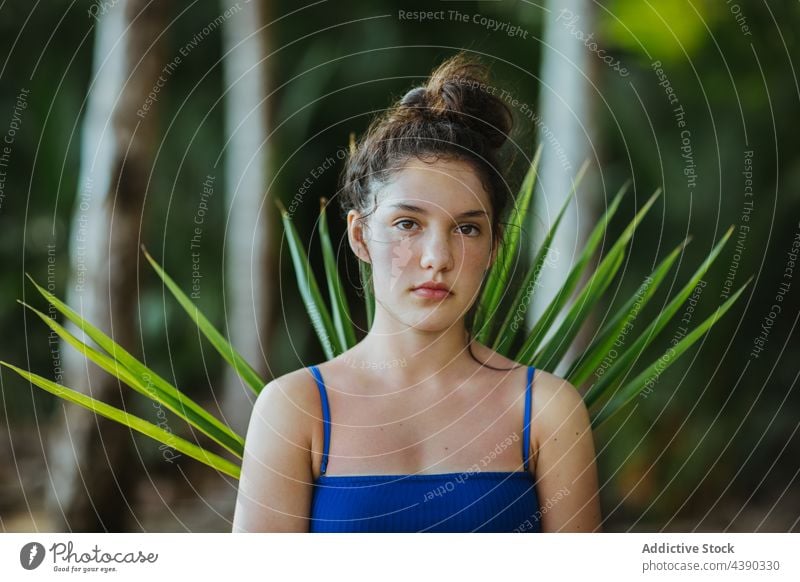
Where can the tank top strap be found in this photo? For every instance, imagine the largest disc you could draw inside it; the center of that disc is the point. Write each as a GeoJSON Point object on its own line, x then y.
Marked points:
{"type": "Point", "coordinates": [526, 429]}
{"type": "Point", "coordinates": [326, 418]}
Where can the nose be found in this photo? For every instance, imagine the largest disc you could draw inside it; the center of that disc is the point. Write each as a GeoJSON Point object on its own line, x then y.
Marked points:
{"type": "Point", "coordinates": [436, 252]}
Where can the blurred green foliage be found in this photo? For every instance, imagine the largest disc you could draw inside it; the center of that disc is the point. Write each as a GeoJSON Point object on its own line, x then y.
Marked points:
{"type": "Point", "coordinates": [717, 420]}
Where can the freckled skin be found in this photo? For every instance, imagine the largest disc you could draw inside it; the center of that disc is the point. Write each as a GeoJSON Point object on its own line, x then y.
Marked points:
{"type": "Point", "coordinates": [399, 241]}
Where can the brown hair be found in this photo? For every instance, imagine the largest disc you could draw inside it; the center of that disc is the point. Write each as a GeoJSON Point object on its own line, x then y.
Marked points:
{"type": "Point", "coordinates": [455, 115]}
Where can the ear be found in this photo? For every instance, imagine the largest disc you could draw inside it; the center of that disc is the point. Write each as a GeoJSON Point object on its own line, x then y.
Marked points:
{"type": "Point", "coordinates": [356, 235]}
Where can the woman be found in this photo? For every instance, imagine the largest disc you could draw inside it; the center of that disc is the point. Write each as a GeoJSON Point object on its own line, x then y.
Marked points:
{"type": "Point", "coordinates": [418, 427]}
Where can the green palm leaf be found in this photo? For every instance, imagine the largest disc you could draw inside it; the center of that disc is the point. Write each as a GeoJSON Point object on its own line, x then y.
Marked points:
{"type": "Point", "coordinates": [620, 367]}
{"type": "Point", "coordinates": [184, 407]}
{"type": "Point", "coordinates": [581, 368]}
{"type": "Point", "coordinates": [309, 291]}
{"type": "Point", "coordinates": [536, 335]}
{"type": "Point", "coordinates": [629, 392]}
{"type": "Point", "coordinates": [551, 354]}
{"type": "Point", "coordinates": [138, 424]}
{"type": "Point", "coordinates": [187, 408]}
{"type": "Point", "coordinates": [500, 271]}
{"type": "Point", "coordinates": [225, 349]}
{"type": "Point", "coordinates": [341, 313]}
{"type": "Point", "coordinates": [519, 306]}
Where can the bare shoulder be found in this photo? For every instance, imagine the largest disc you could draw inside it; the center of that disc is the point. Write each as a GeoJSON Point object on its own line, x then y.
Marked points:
{"type": "Point", "coordinates": [292, 395]}
{"type": "Point", "coordinates": [555, 400]}
{"type": "Point", "coordinates": [285, 411]}
{"type": "Point", "coordinates": [565, 463]}
{"type": "Point", "coordinates": [558, 409]}
{"type": "Point", "coordinates": [275, 483]}
{"type": "Point", "coordinates": [554, 391]}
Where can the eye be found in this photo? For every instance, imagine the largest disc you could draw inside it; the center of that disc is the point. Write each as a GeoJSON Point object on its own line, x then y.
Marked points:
{"type": "Point", "coordinates": [398, 223]}
{"type": "Point", "coordinates": [476, 230]}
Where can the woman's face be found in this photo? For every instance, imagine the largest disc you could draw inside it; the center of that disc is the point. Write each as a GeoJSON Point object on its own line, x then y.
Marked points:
{"type": "Point", "coordinates": [432, 224]}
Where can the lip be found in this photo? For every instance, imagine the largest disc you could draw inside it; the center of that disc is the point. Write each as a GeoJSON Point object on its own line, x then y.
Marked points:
{"type": "Point", "coordinates": [432, 290]}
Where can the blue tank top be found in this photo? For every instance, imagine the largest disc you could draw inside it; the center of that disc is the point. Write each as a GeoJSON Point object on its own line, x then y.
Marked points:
{"type": "Point", "coordinates": [471, 501]}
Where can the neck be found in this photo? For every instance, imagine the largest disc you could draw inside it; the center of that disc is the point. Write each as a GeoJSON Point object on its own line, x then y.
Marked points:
{"type": "Point", "coordinates": [414, 355]}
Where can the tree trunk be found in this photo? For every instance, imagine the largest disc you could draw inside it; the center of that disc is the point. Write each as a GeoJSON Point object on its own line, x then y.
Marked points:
{"type": "Point", "coordinates": [91, 460]}
{"type": "Point", "coordinates": [250, 253]}
{"type": "Point", "coordinates": [565, 129]}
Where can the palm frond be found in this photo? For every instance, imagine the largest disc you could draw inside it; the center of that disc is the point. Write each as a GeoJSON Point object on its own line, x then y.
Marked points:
{"type": "Point", "coordinates": [500, 271]}
{"type": "Point", "coordinates": [341, 313]}
{"type": "Point", "coordinates": [141, 374]}
{"type": "Point", "coordinates": [519, 306]}
{"type": "Point", "coordinates": [171, 398]}
{"type": "Point", "coordinates": [134, 422]}
{"type": "Point", "coordinates": [309, 290]}
{"type": "Point", "coordinates": [536, 335]}
{"type": "Point", "coordinates": [618, 370]}
{"type": "Point", "coordinates": [223, 346]}
{"type": "Point", "coordinates": [669, 357]}
{"type": "Point", "coordinates": [591, 358]}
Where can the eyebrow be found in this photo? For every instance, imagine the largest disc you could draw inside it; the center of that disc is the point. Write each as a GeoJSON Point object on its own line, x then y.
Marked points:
{"type": "Point", "coordinates": [412, 208]}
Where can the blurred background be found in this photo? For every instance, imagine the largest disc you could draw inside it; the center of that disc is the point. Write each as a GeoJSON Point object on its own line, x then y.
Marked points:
{"type": "Point", "coordinates": [179, 125]}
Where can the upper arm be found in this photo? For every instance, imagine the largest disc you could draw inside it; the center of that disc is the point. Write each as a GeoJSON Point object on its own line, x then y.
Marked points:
{"type": "Point", "coordinates": [276, 479]}
{"type": "Point", "coordinates": [566, 468]}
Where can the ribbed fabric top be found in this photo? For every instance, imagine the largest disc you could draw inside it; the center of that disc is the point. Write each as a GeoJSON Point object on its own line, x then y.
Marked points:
{"type": "Point", "coordinates": [476, 501]}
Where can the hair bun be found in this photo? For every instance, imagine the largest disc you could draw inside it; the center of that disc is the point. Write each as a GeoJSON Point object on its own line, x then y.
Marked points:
{"type": "Point", "coordinates": [459, 90]}
{"type": "Point", "coordinates": [414, 98]}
